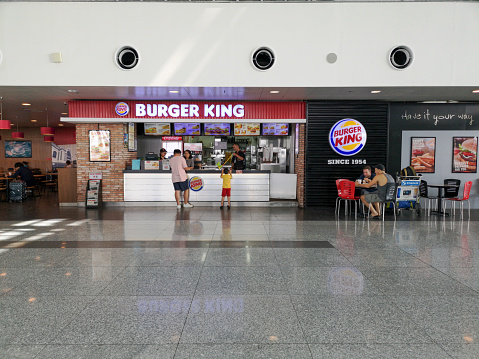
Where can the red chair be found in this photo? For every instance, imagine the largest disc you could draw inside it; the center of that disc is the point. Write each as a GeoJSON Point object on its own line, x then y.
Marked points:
{"type": "Point", "coordinates": [338, 187]}
{"type": "Point", "coordinates": [348, 189]}
{"type": "Point", "coordinates": [465, 198]}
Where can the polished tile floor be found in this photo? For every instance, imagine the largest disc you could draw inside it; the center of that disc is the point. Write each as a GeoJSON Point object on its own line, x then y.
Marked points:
{"type": "Point", "coordinates": [156, 282]}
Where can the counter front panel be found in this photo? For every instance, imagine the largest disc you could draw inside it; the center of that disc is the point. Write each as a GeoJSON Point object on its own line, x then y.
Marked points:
{"type": "Point", "coordinates": [157, 187]}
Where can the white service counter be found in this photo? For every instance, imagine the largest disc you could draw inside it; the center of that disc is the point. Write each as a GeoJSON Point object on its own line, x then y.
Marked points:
{"type": "Point", "coordinates": [156, 186]}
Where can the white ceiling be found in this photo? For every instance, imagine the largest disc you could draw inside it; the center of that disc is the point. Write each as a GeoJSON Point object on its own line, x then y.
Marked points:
{"type": "Point", "coordinates": [55, 98]}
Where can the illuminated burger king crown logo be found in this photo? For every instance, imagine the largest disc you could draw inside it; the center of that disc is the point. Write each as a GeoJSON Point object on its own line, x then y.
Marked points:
{"type": "Point", "coordinates": [196, 184]}
{"type": "Point", "coordinates": [347, 137]}
{"type": "Point", "coordinates": [122, 109]}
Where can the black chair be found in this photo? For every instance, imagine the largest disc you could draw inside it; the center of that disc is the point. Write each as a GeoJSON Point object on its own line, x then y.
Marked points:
{"type": "Point", "coordinates": [423, 193]}
{"type": "Point", "coordinates": [391, 190]}
{"type": "Point", "coordinates": [453, 191]}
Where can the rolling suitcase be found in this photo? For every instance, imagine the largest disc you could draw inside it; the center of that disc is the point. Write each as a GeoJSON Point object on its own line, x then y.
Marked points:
{"type": "Point", "coordinates": [17, 191]}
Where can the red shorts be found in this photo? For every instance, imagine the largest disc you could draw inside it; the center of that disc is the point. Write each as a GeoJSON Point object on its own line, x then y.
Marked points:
{"type": "Point", "coordinates": [226, 192]}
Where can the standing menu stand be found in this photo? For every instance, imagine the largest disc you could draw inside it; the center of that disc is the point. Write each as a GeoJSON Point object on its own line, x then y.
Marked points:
{"type": "Point", "coordinates": [93, 194]}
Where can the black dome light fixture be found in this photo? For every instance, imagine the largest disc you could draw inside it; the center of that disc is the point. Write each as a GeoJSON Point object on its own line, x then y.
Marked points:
{"type": "Point", "coordinates": [400, 57]}
{"type": "Point", "coordinates": [263, 58]}
{"type": "Point", "coordinates": [127, 58]}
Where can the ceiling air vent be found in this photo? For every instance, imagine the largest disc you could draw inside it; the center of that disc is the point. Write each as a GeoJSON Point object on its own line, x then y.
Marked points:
{"type": "Point", "coordinates": [400, 57]}
{"type": "Point", "coordinates": [263, 58]}
{"type": "Point", "coordinates": [127, 58]}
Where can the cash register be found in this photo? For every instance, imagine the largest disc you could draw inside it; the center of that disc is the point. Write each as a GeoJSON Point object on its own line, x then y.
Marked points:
{"type": "Point", "coordinates": [150, 156]}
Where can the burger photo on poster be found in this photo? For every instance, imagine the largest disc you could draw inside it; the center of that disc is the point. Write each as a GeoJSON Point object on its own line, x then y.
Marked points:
{"type": "Point", "coordinates": [465, 151]}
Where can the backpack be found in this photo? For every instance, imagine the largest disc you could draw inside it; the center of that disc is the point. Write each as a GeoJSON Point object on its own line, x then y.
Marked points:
{"type": "Point", "coordinates": [408, 172]}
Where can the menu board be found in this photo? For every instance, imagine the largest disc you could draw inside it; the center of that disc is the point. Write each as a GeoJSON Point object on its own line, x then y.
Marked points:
{"type": "Point", "coordinates": [464, 158]}
{"type": "Point", "coordinates": [275, 129]}
{"type": "Point", "coordinates": [247, 129]}
{"type": "Point", "coordinates": [157, 129]}
{"type": "Point", "coordinates": [187, 129]}
{"type": "Point", "coordinates": [100, 146]}
{"type": "Point", "coordinates": [217, 129]}
{"type": "Point", "coordinates": [423, 154]}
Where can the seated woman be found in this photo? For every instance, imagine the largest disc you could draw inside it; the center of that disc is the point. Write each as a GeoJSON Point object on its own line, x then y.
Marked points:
{"type": "Point", "coordinates": [381, 180]}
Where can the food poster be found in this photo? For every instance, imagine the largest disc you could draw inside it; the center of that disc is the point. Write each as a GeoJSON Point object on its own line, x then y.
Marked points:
{"type": "Point", "coordinates": [193, 147]}
{"type": "Point", "coordinates": [247, 129]}
{"type": "Point", "coordinates": [464, 157]}
{"type": "Point", "coordinates": [217, 129]}
{"type": "Point", "coordinates": [157, 129]}
{"type": "Point", "coordinates": [423, 154]}
{"type": "Point", "coordinates": [99, 146]}
{"type": "Point", "coordinates": [187, 129]}
{"type": "Point", "coordinates": [275, 129]}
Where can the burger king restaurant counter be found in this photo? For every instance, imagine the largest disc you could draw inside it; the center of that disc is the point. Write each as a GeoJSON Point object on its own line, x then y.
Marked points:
{"type": "Point", "coordinates": [205, 186]}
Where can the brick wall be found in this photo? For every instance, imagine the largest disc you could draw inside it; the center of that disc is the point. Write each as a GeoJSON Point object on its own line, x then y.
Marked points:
{"type": "Point", "coordinates": [300, 167]}
{"type": "Point", "coordinates": [112, 183]}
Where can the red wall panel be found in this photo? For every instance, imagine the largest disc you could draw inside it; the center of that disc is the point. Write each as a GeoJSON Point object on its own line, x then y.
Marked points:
{"type": "Point", "coordinates": [65, 136]}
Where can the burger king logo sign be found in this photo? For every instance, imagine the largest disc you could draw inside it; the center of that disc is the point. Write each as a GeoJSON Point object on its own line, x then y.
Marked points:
{"type": "Point", "coordinates": [347, 137]}
{"type": "Point", "coordinates": [196, 184]}
{"type": "Point", "coordinates": [122, 109]}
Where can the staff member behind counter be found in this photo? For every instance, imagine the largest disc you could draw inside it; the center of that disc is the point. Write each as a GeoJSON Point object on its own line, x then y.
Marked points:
{"type": "Point", "coordinates": [162, 154]}
{"type": "Point", "coordinates": [238, 158]}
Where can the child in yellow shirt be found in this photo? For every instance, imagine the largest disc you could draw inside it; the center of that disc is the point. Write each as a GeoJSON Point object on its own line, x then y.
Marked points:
{"type": "Point", "coordinates": [226, 192]}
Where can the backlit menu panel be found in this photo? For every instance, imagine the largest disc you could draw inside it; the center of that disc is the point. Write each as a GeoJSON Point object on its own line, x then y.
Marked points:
{"type": "Point", "coordinates": [217, 129]}
{"type": "Point", "coordinates": [247, 129]}
{"type": "Point", "coordinates": [157, 129]}
{"type": "Point", "coordinates": [275, 129]}
{"type": "Point", "coordinates": [187, 129]}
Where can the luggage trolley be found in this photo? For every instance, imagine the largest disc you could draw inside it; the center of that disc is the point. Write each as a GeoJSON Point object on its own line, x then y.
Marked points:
{"type": "Point", "coordinates": [408, 191]}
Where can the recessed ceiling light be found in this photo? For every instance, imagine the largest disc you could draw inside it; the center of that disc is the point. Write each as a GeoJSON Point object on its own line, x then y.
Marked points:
{"type": "Point", "coordinates": [173, 91]}
{"type": "Point", "coordinates": [60, 124]}
{"type": "Point", "coordinates": [64, 113]}
{"type": "Point", "coordinates": [375, 91]}
{"type": "Point", "coordinates": [26, 104]}
{"type": "Point", "coordinates": [33, 120]}
{"type": "Point", "coordinates": [274, 91]}
{"type": "Point", "coordinates": [475, 91]}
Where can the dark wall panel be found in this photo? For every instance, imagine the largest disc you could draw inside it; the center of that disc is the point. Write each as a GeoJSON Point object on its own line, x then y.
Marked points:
{"type": "Point", "coordinates": [321, 116]}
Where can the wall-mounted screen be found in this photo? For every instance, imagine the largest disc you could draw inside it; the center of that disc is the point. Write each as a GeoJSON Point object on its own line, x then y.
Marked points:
{"type": "Point", "coordinates": [157, 129]}
{"type": "Point", "coordinates": [275, 129]}
{"type": "Point", "coordinates": [247, 129]}
{"type": "Point", "coordinates": [217, 129]}
{"type": "Point", "coordinates": [187, 129]}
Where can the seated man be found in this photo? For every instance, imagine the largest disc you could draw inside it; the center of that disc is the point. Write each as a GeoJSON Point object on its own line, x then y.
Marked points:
{"type": "Point", "coordinates": [381, 179]}
{"type": "Point", "coordinates": [24, 173]}
{"type": "Point", "coordinates": [366, 177]}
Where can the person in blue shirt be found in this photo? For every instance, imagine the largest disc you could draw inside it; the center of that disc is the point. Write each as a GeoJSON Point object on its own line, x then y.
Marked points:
{"type": "Point", "coordinates": [25, 174]}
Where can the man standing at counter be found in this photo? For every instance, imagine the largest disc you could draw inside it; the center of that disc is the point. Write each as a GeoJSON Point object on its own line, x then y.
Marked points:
{"type": "Point", "coordinates": [180, 181]}
{"type": "Point", "coordinates": [238, 158]}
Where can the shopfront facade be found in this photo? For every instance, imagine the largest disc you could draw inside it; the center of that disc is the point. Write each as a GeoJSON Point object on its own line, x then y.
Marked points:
{"type": "Point", "coordinates": [428, 136]}
{"type": "Point", "coordinates": [271, 135]}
